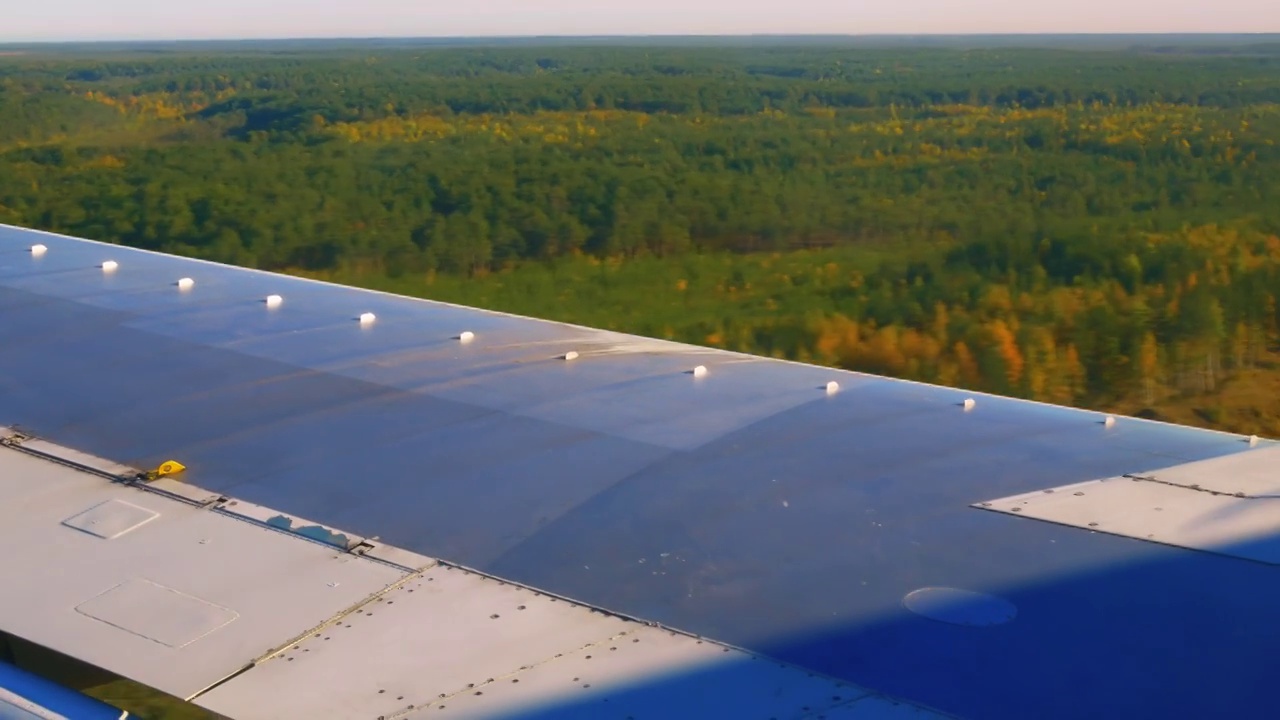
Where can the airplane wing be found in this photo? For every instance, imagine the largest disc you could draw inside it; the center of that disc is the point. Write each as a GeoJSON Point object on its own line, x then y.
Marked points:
{"type": "Point", "coordinates": [400, 508]}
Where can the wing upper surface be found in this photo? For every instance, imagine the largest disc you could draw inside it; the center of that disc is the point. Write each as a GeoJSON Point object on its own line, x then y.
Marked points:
{"type": "Point", "coordinates": [747, 504]}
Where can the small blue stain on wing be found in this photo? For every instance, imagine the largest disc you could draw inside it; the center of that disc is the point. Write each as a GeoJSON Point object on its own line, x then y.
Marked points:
{"type": "Point", "coordinates": [318, 533]}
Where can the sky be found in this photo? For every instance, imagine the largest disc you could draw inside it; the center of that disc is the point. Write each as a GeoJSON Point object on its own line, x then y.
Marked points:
{"type": "Point", "coordinates": [51, 20]}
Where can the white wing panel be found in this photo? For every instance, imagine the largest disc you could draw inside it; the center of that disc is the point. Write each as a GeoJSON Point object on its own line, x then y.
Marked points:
{"type": "Point", "coordinates": [1229, 505]}
{"type": "Point", "coordinates": [436, 635]}
{"type": "Point", "coordinates": [167, 594]}
{"type": "Point", "coordinates": [649, 673]}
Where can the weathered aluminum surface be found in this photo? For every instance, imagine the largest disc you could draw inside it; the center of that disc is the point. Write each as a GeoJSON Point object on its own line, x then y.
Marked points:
{"type": "Point", "coordinates": [111, 518]}
{"type": "Point", "coordinates": [650, 673]}
{"type": "Point", "coordinates": [178, 603]}
{"type": "Point", "coordinates": [180, 490]}
{"type": "Point", "coordinates": [1253, 475]}
{"type": "Point", "coordinates": [1229, 506]}
{"type": "Point", "coordinates": [75, 457]}
{"type": "Point", "coordinates": [437, 635]}
{"type": "Point", "coordinates": [748, 504]}
{"type": "Point", "coordinates": [477, 647]}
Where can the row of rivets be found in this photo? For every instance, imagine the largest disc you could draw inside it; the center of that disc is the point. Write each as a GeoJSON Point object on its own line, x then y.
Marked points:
{"type": "Point", "coordinates": [369, 318]}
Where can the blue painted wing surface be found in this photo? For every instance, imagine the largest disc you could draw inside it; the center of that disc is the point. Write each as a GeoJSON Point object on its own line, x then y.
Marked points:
{"type": "Point", "coordinates": [24, 696]}
{"type": "Point", "coordinates": [746, 504]}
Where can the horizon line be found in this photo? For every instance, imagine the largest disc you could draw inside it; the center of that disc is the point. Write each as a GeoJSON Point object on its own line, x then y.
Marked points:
{"type": "Point", "coordinates": [647, 36]}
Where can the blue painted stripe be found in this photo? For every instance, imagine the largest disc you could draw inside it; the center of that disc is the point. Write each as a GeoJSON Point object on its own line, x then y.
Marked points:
{"type": "Point", "coordinates": [54, 698]}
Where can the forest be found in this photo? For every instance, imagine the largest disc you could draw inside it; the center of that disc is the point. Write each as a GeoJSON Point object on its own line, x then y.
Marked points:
{"type": "Point", "coordinates": [1095, 226]}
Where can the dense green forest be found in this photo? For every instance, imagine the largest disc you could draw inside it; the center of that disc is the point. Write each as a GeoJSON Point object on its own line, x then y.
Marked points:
{"type": "Point", "coordinates": [1094, 225]}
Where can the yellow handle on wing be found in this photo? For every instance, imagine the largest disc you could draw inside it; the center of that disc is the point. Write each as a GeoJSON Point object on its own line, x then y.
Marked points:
{"type": "Point", "coordinates": [168, 467]}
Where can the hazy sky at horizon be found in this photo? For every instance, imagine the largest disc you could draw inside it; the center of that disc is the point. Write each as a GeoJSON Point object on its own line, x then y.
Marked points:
{"type": "Point", "coordinates": [40, 20]}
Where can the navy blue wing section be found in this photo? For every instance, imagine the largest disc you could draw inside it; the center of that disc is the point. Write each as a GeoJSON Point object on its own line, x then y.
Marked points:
{"type": "Point", "coordinates": [747, 504]}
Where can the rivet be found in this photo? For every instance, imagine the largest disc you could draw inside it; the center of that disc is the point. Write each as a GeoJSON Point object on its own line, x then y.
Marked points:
{"type": "Point", "coordinates": [700, 371]}
{"type": "Point", "coordinates": [833, 387]}
{"type": "Point", "coordinates": [571, 355]}
{"type": "Point", "coordinates": [186, 283]}
{"type": "Point", "coordinates": [970, 404]}
{"type": "Point", "coordinates": [274, 301]}
{"type": "Point", "coordinates": [109, 266]}
{"type": "Point", "coordinates": [467, 337]}
{"type": "Point", "coordinates": [39, 249]}
{"type": "Point", "coordinates": [367, 318]}
{"type": "Point", "coordinates": [1253, 440]}
{"type": "Point", "coordinates": [1109, 421]}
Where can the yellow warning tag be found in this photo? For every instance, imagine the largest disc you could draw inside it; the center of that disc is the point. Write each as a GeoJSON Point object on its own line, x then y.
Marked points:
{"type": "Point", "coordinates": [169, 467]}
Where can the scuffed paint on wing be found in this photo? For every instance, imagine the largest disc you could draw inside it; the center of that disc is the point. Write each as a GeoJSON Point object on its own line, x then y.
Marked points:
{"type": "Point", "coordinates": [319, 533]}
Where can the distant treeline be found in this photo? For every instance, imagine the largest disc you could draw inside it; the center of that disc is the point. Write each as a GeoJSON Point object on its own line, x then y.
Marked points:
{"type": "Point", "coordinates": [1066, 224]}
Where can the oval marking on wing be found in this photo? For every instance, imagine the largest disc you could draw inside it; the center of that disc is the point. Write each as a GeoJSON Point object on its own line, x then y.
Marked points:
{"type": "Point", "coordinates": [960, 607]}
